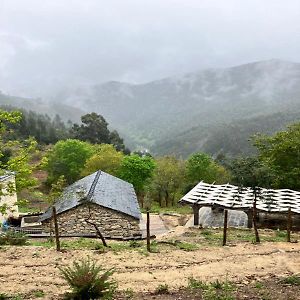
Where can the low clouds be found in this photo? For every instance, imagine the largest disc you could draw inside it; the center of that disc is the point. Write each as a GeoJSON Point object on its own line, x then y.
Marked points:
{"type": "Point", "coordinates": [48, 45]}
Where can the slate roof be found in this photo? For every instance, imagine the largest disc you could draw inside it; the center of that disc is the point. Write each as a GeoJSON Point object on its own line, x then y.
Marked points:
{"type": "Point", "coordinates": [102, 189]}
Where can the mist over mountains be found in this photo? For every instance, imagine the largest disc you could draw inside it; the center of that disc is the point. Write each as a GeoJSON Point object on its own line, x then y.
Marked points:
{"type": "Point", "coordinates": [214, 110]}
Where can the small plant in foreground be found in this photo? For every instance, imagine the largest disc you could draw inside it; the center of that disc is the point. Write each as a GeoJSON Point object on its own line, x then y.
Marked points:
{"type": "Point", "coordinates": [89, 281]}
{"type": "Point", "coordinates": [187, 246]}
{"type": "Point", "coordinates": [162, 289]}
{"type": "Point", "coordinates": [3, 296]}
{"type": "Point", "coordinates": [39, 293]}
{"type": "Point", "coordinates": [129, 293]}
{"type": "Point", "coordinates": [195, 284]}
{"type": "Point", "coordinates": [216, 290]}
{"type": "Point", "coordinates": [13, 238]}
{"type": "Point", "coordinates": [292, 280]}
{"type": "Point", "coordinates": [259, 285]}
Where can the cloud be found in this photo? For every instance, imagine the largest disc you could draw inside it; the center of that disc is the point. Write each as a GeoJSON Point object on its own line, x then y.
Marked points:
{"type": "Point", "coordinates": [50, 44]}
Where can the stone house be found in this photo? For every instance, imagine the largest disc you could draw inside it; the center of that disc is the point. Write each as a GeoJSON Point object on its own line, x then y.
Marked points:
{"type": "Point", "coordinates": [8, 196]}
{"type": "Point", "coordinates": [102, 199]}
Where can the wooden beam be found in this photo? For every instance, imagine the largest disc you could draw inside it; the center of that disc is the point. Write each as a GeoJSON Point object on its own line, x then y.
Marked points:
{"type": "Point", "coordinates": [225, 227]}
{"type": "Point", "coordinates": [56, 228]}
{"type": "Point", "coordinates": [148, 231]}
{"type": "Point", "coordinates": [196, 214]}
{"type": "Point", "coordinates": [250, 218]}
{"type": "Point", "coordinates": [289, 225]}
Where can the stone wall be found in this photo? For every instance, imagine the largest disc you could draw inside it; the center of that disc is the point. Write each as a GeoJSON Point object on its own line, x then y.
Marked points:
{"type": "Point", "coordinates": [111, 223]}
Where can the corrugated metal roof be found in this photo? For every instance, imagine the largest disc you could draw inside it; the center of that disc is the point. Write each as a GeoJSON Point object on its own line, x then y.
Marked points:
{"type": "Point", "coordinates": [6, 175]}
{"type": "Point", "coordinates": [234, 197]}
{"type": "Point", "coordinates": [102, 189]}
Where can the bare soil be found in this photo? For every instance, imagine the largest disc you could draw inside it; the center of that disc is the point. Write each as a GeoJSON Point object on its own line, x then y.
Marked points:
{"type": "Point", "coordinates": [30, 268]}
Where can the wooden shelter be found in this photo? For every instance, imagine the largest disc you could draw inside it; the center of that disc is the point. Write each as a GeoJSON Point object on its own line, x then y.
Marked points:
{"type": "Point", "coordinates": [227, 196]}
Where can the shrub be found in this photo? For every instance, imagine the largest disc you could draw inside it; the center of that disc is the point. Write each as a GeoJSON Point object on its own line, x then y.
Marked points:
{"type": "Point", "coordinates": [13, 238]}
{"type": "Point", "coordinates": [89, 281]}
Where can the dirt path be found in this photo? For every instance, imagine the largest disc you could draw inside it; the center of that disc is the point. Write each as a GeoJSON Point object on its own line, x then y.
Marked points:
{"type": "Point", "coordinates": [27, 269]}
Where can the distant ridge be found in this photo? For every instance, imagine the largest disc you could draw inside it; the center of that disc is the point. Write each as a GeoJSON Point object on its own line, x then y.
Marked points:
{"type": "Point", "coordinates": [193, 112]}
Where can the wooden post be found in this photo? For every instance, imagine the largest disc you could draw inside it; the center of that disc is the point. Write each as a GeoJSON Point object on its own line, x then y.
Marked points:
{"type": "Point", "coordinates": [225, 227]}
{"type": "Point", "coordinates": [257, 239]}
{"type": "Point", "coordinates": [148, 231]}
{"type": "Point", "coordinates": [56, 229]}
{"type": "Point", "coordinates": [250, 218]}
{"type": "Point", "coordinates": [98, 232]}
{"type": "Point", "coordinates": [196, 214]}
{"type": "Point", "coordinates": [289, 225]}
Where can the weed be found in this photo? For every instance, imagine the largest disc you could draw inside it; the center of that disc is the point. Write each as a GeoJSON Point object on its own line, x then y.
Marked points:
{"type": "Point", "coordinates": [195, 284]}
{"type": "Point", "coordinates": [13, 238]}
{"type": "Point", "coordinates": [162, 289]}
{"type": "Point", "coordinates": [3, 296]}
{"type": "Point", "coordinates": [206, 232]}
{"type": "Point", "coordinates": [258, 285]}
{"type": "Point", "coordinates": [187, 246]}
{"type": "Point", "coordinates": [39, 293]}
{"type": "Point", "coordinates": [292, 280]}
{"type": "Point", "coordinates": [212, 291]}
{"type": "Point", "coordinates": [89, 281]}
{"type": "Point", "coordinates": [135, 244]}
{"type": "Point", "coordinates": [129, 293]}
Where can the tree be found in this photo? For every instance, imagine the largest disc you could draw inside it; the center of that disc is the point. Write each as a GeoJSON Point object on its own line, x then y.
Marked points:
{"type": "Point", "coordinates": [67, 158]}
{"type": "Point", "coordinates": [93, 129]}
{"type": "Point", "coordinates": [106, 158]}
{"type": "Point", "coordinates": [250, 171]}
{"type": "Point", "coordinates": [18, 156]}
{"type": "Point", "coordinates": [281, 153]}
{"type": "Point", "coordinates": [137, 170]}
{"type": "Point", "coordinates": [168, 179]}
{"type": "Point", "coordinates": [201, 166]}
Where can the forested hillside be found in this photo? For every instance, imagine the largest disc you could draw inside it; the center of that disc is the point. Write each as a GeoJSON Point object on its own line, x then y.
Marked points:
{"type": "Point", "coordinates": [192, 112]}
{"type": "Point", "coordinates": [215, 110]}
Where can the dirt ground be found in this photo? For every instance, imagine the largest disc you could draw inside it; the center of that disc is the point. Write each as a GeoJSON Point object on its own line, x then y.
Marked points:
{"type": "Point", "coordinates": [28, 269]}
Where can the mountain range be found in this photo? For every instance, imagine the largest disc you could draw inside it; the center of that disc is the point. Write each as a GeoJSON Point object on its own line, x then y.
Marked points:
{"type": "Point", "coordinates": [213, 110]}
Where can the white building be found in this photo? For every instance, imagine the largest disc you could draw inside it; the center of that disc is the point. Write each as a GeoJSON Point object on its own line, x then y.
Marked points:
{"type": "Point", "coordinates": [8, 196]}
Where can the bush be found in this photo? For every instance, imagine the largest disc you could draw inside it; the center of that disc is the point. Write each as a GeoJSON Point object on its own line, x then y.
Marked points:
{"type": "Point", "coordinates": [13, 238]}
{"type": "Point", "coordinates": [89, 281]}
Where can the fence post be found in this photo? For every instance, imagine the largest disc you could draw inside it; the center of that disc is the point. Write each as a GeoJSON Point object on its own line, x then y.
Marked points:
{"type": "Point", "coordinates": [225, 227]}
{"type": "Point", "coordinates": [289, 225]}
{"type": "Point", "coordinates": [148, 231]}
{"type": "Point", "coordinates": [56, 229]}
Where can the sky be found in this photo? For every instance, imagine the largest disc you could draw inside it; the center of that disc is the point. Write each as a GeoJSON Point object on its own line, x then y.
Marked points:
{"type": "Point", "coordinates": [47, 45]}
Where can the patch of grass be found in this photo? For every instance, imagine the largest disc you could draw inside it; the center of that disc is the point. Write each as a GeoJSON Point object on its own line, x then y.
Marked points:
{"type": "Point", "coordinates": [39, 293]}
{"type": "Point", "coordinates": [281, 234]}
{"type": "Point", "coordinates": [183, 210]}
{"type": "Point", "coordinates": [215, 290]}
{"type": "Point", "coordinates": [13, 238]}
{"type": "Point", "coordinates": [3, 296]}
{"type": "Point", "coordinates": [187, 246]}
{"type": "Point", "coordinates": [135, 244]}
{"type": "Point", "coordinates": [258, 285]}
{"type": "Point", "coordinates": [162, 289]}
{"type": "Point", "coordinates": [46, 244]}
{"type": "Point", "coordinates": [292, 280]}
{"type": "Point", "coordinates": [129, 293]}
{"type": "Point", "coordinates": [195, 284]}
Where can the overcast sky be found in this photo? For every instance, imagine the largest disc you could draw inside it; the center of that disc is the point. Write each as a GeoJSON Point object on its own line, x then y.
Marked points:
{"type": "Point", "coordinates": [49, 44]}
